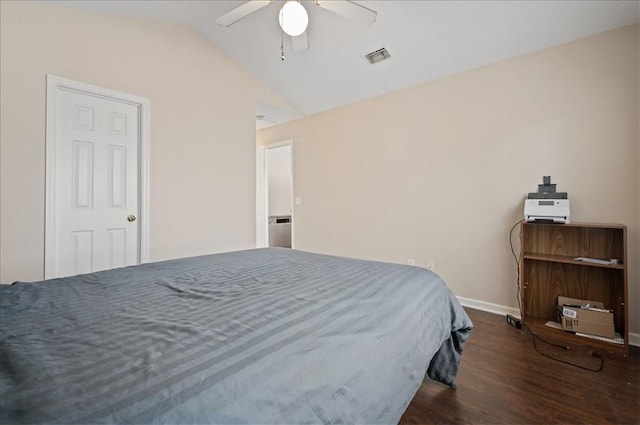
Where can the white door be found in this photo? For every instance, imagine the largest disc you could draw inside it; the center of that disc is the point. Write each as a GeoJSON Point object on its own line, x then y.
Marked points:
{"type": "Point", "coordinates": [94, 204]}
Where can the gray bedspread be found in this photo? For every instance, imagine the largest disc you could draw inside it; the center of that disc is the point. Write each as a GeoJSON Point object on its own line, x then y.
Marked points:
{"type": "Point", "coordinates": [261, 336]}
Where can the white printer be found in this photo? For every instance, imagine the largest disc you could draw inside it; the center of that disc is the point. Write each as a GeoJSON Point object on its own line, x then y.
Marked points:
{"type": "Point", "coordinates": [546, 205]}
{"type": "Point", "coordinates": [547, 210]}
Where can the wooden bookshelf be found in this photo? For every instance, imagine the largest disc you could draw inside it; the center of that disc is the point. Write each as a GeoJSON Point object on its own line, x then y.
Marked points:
{"type": "Point", "coordinates": [548, 269]}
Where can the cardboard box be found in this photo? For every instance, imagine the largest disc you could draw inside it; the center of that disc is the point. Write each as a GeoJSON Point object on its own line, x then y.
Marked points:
{"type": "Point", "coordinates": [593, 322]}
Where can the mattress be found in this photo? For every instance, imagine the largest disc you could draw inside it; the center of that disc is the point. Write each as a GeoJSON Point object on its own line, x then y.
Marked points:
{"type": "Point", "coordinates": [264, 336]}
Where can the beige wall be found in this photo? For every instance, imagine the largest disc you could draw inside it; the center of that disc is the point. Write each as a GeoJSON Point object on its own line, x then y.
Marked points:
{"type": "Point", "coordinates": [440, 171]}
{"type": "Point", "coordinates": [202, 127]}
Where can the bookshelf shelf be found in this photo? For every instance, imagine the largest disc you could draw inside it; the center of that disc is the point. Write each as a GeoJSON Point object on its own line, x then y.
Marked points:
{"type": "Point", "coordinates": [548, 269]}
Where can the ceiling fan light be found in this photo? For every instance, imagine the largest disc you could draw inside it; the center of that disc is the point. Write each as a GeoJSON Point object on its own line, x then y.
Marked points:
{"type": "Point", "coordinates": [293, 18]}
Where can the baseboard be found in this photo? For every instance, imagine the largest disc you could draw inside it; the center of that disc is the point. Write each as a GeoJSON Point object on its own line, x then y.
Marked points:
{"type": "Point", "coordinates": [488, 307]}
{"type": "Point", "coordinates": [634, 338]}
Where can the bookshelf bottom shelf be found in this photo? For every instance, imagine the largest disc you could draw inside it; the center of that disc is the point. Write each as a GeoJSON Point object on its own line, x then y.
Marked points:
{"type": "Point", "coordinates": [538, 326]}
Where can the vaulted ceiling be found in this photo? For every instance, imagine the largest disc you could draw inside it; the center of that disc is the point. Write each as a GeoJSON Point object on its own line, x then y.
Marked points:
{"type": "Point", "coordinates": [426, 40]}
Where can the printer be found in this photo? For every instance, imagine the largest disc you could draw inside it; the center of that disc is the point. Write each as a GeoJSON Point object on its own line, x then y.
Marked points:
{"type": "Point", "coordinates": [546, 205]}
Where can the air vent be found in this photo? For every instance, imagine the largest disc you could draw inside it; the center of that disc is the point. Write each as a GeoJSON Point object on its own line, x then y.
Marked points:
{"type": "Point", "coordinates": [377, 56]}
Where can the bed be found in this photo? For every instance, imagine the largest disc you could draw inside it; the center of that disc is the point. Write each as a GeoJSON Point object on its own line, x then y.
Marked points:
{"type": "Point", "coordinates": [261, 336]}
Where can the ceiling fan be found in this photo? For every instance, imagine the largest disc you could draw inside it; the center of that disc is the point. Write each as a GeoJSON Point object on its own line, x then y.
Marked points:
{"type": "Point", "coordinates": [293, 16]}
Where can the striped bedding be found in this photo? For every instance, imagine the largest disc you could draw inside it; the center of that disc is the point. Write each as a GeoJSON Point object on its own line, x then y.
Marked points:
{"type": "Point", "coordinates": [262, 336]}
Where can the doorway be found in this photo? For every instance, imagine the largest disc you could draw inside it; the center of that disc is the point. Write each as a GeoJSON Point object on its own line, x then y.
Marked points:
{"type": "Point", "coordinates": [275, 195]}
{"type": "Point", "coordinates": [96, 179]}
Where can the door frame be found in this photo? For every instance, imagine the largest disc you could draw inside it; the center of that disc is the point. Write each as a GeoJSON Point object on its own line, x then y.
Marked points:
{"type": "Point", "coordinates": [56, 84]}
{"type": "Point", "coordinates": [262, 198]}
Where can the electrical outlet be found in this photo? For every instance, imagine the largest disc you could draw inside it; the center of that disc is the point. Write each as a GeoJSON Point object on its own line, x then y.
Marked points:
{"type": "Point", "coordinates": [430, 265]}
{"type": "Point", "coordinates": [411, 262]}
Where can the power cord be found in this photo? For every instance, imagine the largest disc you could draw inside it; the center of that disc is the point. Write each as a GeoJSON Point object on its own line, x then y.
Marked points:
{"type": "Point", "coordinates": [536, 337]}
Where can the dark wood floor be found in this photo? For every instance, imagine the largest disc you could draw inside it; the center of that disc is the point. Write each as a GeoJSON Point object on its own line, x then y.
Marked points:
{"type": "Point", "coordinates": [502, 380]}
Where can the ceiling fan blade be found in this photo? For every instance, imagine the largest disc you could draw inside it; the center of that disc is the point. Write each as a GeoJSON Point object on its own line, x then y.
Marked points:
{"type": "Point", "coordinates": [241, 11]}
{"type": "Point", "coordinates": [349, 9]}
{"type": "Point", "coordinates": [300, 42]}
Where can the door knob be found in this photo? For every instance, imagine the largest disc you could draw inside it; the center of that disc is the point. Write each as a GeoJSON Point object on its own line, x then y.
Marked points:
{"type": "Point", "coordinates": [131, 217]}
